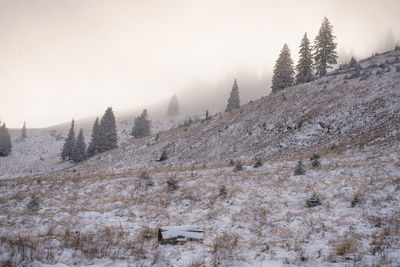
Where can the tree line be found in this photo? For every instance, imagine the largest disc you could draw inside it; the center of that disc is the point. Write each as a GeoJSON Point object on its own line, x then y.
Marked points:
{"type": "Point", "coordinates": [103, 137]}
{"type": "Point", "coordinates": [314, 61]}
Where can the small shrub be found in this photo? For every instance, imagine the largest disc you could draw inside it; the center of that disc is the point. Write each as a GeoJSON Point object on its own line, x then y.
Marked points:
{"type": "Point", "coordinates": [149, 183]}
{"type": "Point", "coordinates": [164, 156]}
{"type": "Point", "coordinates": [355, 201]}
{"type": "Point", "coordinates": [231, 162]}
{"type": "Point", "coordinates": [238, 166]}
{"type": "Point", "coordinates": [299, 168]}
{"type": "Point", "coordinates": [313, 201]}
{"type": "Point", "coordinates": [33, 204]}
{"type": "Point", "coordinates": [397, 68]}
{"type": "Point", "coordinates": [222, 191]}
{"type": "Point", "coordinates": [315, 161]}
{"type": "Point", "coordinates": [258, 163]}
{"type": "Point", "coordinates": [353, 62]}
{"type": "Point", "coordinates": [172, 184]}
{"type": "Point", "coordinates": [144, 175]}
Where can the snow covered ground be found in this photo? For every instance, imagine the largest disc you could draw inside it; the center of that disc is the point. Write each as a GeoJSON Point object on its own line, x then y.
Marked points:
{"type": "Point", "coordinates": [262, 221]}
{"type": "Point", "coordinates": [105, 212]}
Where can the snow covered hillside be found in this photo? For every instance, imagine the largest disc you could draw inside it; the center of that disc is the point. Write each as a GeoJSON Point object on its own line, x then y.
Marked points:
{"type": "Point", "coordinates": [343, 211]}
{"type": "Point", "coordinates": [39, 153]}
{"type": "Point", "coordinates": [335, 112]}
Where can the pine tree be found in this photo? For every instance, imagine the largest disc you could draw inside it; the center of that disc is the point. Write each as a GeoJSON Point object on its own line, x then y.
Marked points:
{"type": "Point", "coordinates": [324, 49]}
{"type": "Point", "coordinates": [173, 108]}
{"type": "Point", "coordinates": [80, 148]}
{"type": "Point", "coordinates": [23, 131]}
{"type": "Point", "coordinates": [108, 131]}
{"type": "Point", "coordinates": [233, 101]}
{"type": "Point", "coordinates": [5, 141]}
{"type": "Point", "coordinates": [69, 144]}
{"type": "Point", "coordinates": [304, 67]}
{"type": "Point", "coordinates": [142, 125]}
{"type": "Point", "coordinates": [95, 139]}
{"type": "Point", "coordinates": [283, 70]}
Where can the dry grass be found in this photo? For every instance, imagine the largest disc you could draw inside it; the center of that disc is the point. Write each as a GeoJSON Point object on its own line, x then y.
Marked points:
{"type": "Point", "coordinates": [346, 246]}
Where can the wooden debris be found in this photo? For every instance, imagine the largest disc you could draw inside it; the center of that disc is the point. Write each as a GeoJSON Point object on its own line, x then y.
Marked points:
{"type": "Point", "coordinates": [179, 234]}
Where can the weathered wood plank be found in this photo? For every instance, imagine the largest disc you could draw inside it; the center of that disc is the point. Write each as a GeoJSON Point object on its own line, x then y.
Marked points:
{"type": "Point", "coordinates": [179, 234]}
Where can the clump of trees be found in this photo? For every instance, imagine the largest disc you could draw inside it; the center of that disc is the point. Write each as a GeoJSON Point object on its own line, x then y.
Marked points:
{"type": "Point", "coordinates": [142, 125]}
{"type": "Point", "coordinates": [234, 100]}
{"type": "Point", "coordinates": [104, 137]}
{"type": "Point", "coordinates": [5, 141]}
{"type": "Point", "coordinates": [314, 61]}
{"type": "Point", "coordinates": [74, 148]}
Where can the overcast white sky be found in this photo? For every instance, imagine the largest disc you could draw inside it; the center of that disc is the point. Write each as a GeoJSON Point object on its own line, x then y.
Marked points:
{"type": "Point", "coordinates": [72, 58]}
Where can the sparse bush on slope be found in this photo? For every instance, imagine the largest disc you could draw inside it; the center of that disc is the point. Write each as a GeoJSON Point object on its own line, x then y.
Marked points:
{"type": "Point", "coordinates": [238, 166]}
{"type": "Point", "coordinates": [33, 204]}
{"type": "Point", "coordinates": [258, 163]}
{"type": "Point", "coordinates": [313, 201]}
{"type": "Point", "coordinates": [315, 162]}
{"type": "Point", "coordinates": [172, 184]}
{"type": "Point", "coordinates": [299, 168]}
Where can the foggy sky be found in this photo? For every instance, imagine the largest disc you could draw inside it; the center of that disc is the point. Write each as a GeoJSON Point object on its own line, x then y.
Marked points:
{"type": "Point", "coordinates": [72, 58]}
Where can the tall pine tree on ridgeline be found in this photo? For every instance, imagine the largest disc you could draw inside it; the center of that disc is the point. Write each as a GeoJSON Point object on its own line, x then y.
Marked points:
{"type": "Point", "coordinates": [93, 147]}
{"type": "Point", "coordinates": [108, 131]}
{"type": "Point", "coordinates": [69, 144]}
{"type": "Point", "coordinates": [173, 107]}
{"type": "Point", "coordinates": [23, 131]}
{"type": "Point", "coordinates": [283, 70]}
{"type": "Point", "coordinates": [304, 66]}
{"type": "Point", "coordinates": [141, 127]}
{"type": "Point", "coordinates": [5, 141]}
{"type": "Point", "coordinates": [234, 100]}
{"type": "Point", "coordinates": [324, 49]}
{"type": "Point", "coordinates": [80, 148]}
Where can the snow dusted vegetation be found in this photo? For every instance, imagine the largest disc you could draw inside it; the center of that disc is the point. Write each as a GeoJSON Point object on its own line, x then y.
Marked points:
{"type": "Point", "coordinates": [107, 209]}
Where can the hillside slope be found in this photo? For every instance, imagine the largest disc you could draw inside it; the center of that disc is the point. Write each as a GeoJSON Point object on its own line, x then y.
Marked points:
{"type": "Point", "coordinates": [106, 212]}
{"type": "Point", "coordinates": [332, 112]}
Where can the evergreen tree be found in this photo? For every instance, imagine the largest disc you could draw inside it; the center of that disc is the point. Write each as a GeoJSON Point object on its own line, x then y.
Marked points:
{"type": "Point", "coordinates": [23, 131]}
{"type": "Point", "coordinates": [324, 49]}
{"type": "Point", "coordinates": [69, 144]}
{"type": "Point", "coordinates": [304, 67]}
{"type": "Point", "coordinates": [95, 139]}
{"type": "Point", "coordinates": [5, 141]}
{"type": "Point", "coordinates": [108, 131]}
{"type": "Point", "coordinates": [142, 125]}
{"type": "Point", "coordinates": [233, 101]}
{"type": "Point", "coordinates": [283, 70]}
{"type": "Point", "coordinates": [173, 108]}
{"type": "Point", "coordinates": [80, 148]}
